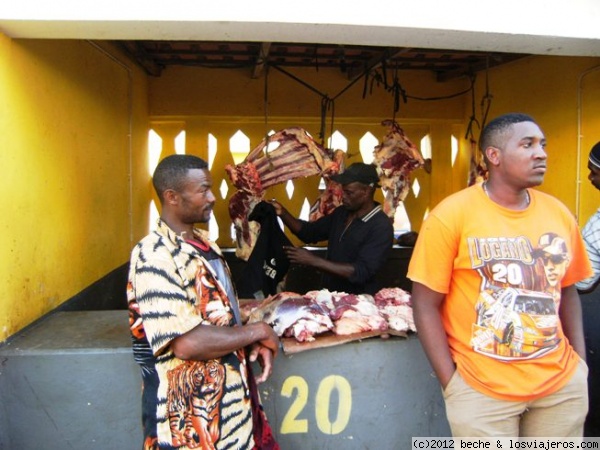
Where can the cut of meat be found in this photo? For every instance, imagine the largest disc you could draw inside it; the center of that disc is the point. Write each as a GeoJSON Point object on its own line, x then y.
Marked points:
{"type": "Point", "coordinates": [395, 306]}
{"type": "Point", "coordinates": [293, 315]}
{"type": "Point", "coordinates": [352, 321]}
{"type": "Point", "coordinates": [247, 306]}
{"type": "Point", "coordinates": [392, 296]}
{"type": "Point", "coordinates": [285, 155]}
{"type": "Point", "coordinates": [246, 178]}
{"type": "Point", "coordinates": [350, 313]}
{"type": "Point", "coordinates": [395, 157]}
{"type": "Point", "coordinates": [330, 199]}
{"type": "Point", "coordinates": [305, 316]}
{"type": "Point", "coordinates": [399, 317]}
{"type": "Point", "coordinates": [356, 314]}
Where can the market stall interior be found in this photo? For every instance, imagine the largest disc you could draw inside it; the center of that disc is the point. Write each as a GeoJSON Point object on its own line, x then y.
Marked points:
{"type": "Point", "coordinates": [274, 120]}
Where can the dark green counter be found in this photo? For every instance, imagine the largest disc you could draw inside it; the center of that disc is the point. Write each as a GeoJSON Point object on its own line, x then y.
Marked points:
{"type": "Point", "coordinates": [71, 382]}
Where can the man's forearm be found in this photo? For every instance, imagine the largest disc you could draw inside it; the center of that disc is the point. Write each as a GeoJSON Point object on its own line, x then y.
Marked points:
{"type": "Point", "coordinates": [435, 344]}
{"type": "Point", "coordinates": [572, 319]}
{"type": "Point", "coordinates": [290, 221]}
{"type": "Point", "coordinates": [206, 342]}
{"type": "Point", "coordinates": [430, 331]}
{"type": "Point", "coordinates": [343, 270]}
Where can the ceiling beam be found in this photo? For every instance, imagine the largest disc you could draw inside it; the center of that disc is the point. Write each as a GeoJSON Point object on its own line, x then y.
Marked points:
{"type": "Point", "coordinates": [377, 61]}
{"type": "Point", "coordinates": [472, 68]}
{"type": "Point", "coordinates": [138, 54]}
{"type": "Point", "coordinates": [261, 60]}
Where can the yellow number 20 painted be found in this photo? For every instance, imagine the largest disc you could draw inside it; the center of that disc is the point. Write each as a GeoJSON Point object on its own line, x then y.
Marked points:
{"type": "Point", "coordinates": [292, 424]}
{"type": "Point", "coordinates": [323, 402]}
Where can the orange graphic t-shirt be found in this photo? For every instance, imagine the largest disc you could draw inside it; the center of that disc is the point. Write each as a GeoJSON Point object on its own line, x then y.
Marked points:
{"type": "Point", "coordinates": [502, 272]}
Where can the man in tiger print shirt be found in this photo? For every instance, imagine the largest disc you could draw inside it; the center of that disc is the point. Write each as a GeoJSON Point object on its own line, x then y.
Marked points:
{"type": "Point", "coordinates": [186, 329]}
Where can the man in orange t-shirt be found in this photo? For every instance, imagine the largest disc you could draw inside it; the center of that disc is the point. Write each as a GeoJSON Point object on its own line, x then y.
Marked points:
{"type": "Point", "coordinates": [498, 313]}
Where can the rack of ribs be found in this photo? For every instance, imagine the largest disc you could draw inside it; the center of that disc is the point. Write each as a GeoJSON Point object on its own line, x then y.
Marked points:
{"type": "Point", "coordinates": [285, 155]}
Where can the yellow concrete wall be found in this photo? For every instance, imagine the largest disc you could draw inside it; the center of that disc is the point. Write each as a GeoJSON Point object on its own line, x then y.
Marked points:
{"type": "Point", "coordinates": [188, 91]}
{"type": "Point", "coordinates": [184, 98]}
{"type": "Point", "coordinates": [66, 115]}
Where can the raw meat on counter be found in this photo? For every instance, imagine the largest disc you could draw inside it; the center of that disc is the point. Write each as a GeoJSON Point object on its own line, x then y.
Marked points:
{"type": "Point", "coordinates": [304, 316]}
{"type": "Point", "coordinates": [350, 313]}
{"type": "Point", "coordinates": [248, 306]}
{"type": "Point", "coordinates": [293, 315]}
{"type": "Point", "coordinates": [395, 306]}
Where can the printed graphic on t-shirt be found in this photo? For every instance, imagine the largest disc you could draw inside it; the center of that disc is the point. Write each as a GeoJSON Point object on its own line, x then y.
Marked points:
{"type": "Point", "coordinates": [517, 308]}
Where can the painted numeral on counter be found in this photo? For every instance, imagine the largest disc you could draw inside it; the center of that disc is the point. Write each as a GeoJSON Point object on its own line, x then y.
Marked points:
{"type": "Point", "coordinates": [291, 423]}
{"type": "Point", "coordinates": [295, 384]}
{"type": "Point", "coordinates": [323, 402]}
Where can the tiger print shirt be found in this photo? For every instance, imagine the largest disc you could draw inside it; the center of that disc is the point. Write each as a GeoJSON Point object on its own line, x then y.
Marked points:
{"type": "Point", "coordinates": [185, 404]}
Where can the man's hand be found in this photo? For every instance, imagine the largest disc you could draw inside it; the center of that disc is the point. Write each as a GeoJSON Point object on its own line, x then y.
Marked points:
{"type": "Point", "coordinates": [265, 358]}
{"type": "Point", "coordinates": [271, 342]}
{"type": "Point", "coordinates": [299, 255]}
{"type": "Point", "coordinates": [279, 209]}
{"type": "Point", "coordinates": [265, 351]}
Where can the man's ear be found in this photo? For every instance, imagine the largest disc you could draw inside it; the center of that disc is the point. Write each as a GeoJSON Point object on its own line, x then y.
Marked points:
{"type": "Point", "coordinates": [493, 155]}
{"type": "Point", "coordinates": [171, 197]}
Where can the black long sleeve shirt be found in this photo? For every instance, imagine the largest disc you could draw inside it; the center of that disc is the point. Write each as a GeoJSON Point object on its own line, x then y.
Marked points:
{"type": "Point", "coordinates": [364, 243]}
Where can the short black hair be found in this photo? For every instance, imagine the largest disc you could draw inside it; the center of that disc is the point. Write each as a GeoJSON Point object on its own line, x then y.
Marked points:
{"type": "Point", "coordinates": [494, 130]}
{"type": "Point", "coordinates": [594, 157]}
{"type": "Point", "coordinates": [171, 171]}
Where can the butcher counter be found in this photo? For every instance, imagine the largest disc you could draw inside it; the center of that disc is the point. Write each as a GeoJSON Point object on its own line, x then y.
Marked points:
{"type": "Point", "coordinates": [70, 382]}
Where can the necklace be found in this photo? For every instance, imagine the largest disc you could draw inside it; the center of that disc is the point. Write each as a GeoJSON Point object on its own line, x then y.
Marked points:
{"type": "Point", "coordinates": [484, 186]}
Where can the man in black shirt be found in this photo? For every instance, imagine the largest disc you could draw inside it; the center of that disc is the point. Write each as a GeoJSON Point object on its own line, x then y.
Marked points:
{"type": "Point", "coordinates": [358, 232]}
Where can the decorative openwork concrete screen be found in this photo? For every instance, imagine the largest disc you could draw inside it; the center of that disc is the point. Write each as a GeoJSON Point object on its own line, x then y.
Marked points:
{"type": "Point", "coordinates": [222, 142]}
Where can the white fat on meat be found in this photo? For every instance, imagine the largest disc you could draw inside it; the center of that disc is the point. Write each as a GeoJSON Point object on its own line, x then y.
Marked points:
{"type": "Point", "coordinates": [293, 315]}
{"type": "Point", "coordinates": [323, 297]}
{"type": "Point", "coordinates": [354, 313]}
{"type": "Point", "coordinates": [395, 306]}
{"type": "Point", "coordinates": [393, 296]}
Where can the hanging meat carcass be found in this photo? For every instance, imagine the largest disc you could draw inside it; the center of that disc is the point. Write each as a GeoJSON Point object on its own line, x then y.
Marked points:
{"type": "Point", "coordinates": [395, 157]}
{"type": "Point", "coordinates": [331, 197]}
{"type": "Point", "coordinates": [477, 169]}
{"type": "Point", "coordinates": [285, 155]}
